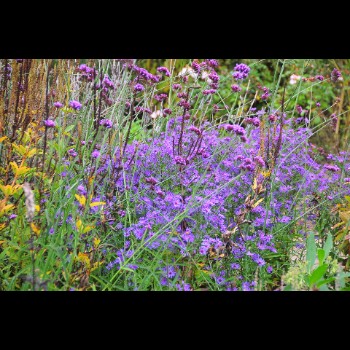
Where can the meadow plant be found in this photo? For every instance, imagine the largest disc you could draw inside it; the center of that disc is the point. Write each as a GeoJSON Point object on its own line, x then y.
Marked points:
{"type": "Point", "coordinates": [132, 181]}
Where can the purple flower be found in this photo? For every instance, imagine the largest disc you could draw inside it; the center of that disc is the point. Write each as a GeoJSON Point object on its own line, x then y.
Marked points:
{"type": "Point", "coordinates": [255, 121]}
{"type": "Point", "coordinates": [139, 87]}
{"type": "Point", "coordinates": [236, 88]}
{"type": "Point", "coordinates": [319, 77]}
{"type": "Point", "coordinates": [12, 216]}
{"type": "Point", "coordinates": [333, 168]}
{"type": "Point", "coordinates": [214, 77]}
{"type": "Point", "coordinates": [195, 130]}
{"type": "Point", "coordinates": [106, 123]}
{"type": "Point", "coordinates": [132, 267]}
{"type": "Point", "coordinates": [180, 160]}
{"type": "Point", "coordinates": [184, 104]}
{"type": "Point", "coordinates": [260, 161]}
{"type": "Point", "coordinates": [72, 152]}
{"type": "Point", "coordinates": [107, 82]}
{"type": "Point", "coordinates": [176, 86]}
{"type": "Point", "coordinates": [269, 269]}
{"type": "Point", "coordinates": [167, 111]}
{"type": "Point", "coordinates": [241, 71]}
{"type": "Point", "coordinates": [58, 104]}
{"type": "Point", "coordinates": [75, 105]}
{"type": "Point", "coordinates": [318, 104]}
{"type": "Point", "coordinates": [51, 231]}
{"type": "Point", "coordinates": [235, 266]}
{"type": "Point", "coordinates": [49, 123]}
{"type": "Point", "coordinates": [299, 109]}
{"type": "Point", "coordinates": [164, 70]}
{"type": "Point", "coordinates": [209, 92]}
{"type": "Point", "coordinates": [246, 287]}
{"type": "Point", "coordinates": [237, 129]}
{"type": "Point", "coordinates": [196, 66]}
{"type": "Point", "coordinates": [81, 190]}
{"type": "Point", "coordinates": [169, 271]}
{"type": "Point", "coordinates": [160, 97]}
{"type": "Point", "coordinates": [272, 118]}
{"type": "Point", "coordinates": [183, 286]}
{"type": "Point", "coordinates": [220, 280]}
{"type": "Point", "coordinates": [335, 75]}
{"type": "Point", "coordinates": [95, 154]}
{"type": "Point", "coordinates": [212, 63]}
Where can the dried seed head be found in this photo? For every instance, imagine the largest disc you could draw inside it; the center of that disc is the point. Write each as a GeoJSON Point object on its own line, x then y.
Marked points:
{"type": "Point", "coordinates": [29, 201]}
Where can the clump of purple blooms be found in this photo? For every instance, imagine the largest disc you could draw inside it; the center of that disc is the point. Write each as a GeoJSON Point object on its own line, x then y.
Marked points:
{"type": "Point", "coordinates": [335, 75]}
{"type": "Point", "coordinates": [241, 71]}
{"type": "Point", "coordinates": [76, 105]}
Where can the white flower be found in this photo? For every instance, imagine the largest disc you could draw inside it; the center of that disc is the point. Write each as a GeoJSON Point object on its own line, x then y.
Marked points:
{"type": "Point", "coordinates": [188, 71]}
{"type": "Point", "coordinates": [294, 78]}
{"type": "Point", "coordinates": [205, 75]}
{"type": "Point", "coordinates": [156, 114]}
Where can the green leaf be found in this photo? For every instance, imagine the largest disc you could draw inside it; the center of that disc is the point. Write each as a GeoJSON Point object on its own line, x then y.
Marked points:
{"type": "Point", "coordinates": [341, 278]}
{"type": "Point", "coordinates": [326, 281]}
{"type": "Point", "coordinates": [324, 288]}
{"type": "Point", "coordinates": [310, 251]}
{"type": "Point", "coordinates": [317, 120]}
{"type": "Point", "coordinates": [321, 254]}
{"type": "Point", "coordinates": [288, 288]}
{"type": "Point", "coordinates": [328, 245]}
{"type": "Point", "coordinates": [318, 274]}
{"type": "Point", "coordinates": [69, 128]}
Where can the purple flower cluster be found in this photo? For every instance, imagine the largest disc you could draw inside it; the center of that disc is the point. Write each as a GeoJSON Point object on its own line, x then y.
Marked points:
{"type": "Point", "coordinates": [107, 123]}
{"type": "Point", "coordinates": [76, 105]}
{"type": "Point", "coordinates": [236, 88]}
{"type": "Point", "coordinates": [241, 71]}
{"type": "Point", "coordinates": [164, 70]}
{"type": "Point", "coordinates": [161, 97]}
{"type": "Point", "coordinates": [87, 73]}
{"type": "Point", "coordinates": [145, 75]}
{"type": "Point", "coordinates": [335, 75]}
{"type": "Point", "coordinates": [50, 123]}
{"type": "Point", "coordinates": [58, 104]}
{"type": "Point", "coordinates": [139, 87]}
{"type": "Point", "coordinates": [222, 169]}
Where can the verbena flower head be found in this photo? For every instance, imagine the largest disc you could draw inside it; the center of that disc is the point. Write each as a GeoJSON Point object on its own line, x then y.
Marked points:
{"type": "Point", "coordinates": [241, 71]}
{"type": "Point", "coordinates": [209, 92]}
{"type": "Point", "coordinates": [95, 154]}
{"type": "Point", "coordinates": [106, 123]}
{"type": "Point", "coordinates": [335, 75]}
{"type": "Point", "coordinates": [164, 70]}
{"type": "Point", "coordinates": [167, 111]}
{"type": "Point", "coordinates": [107, 82]}
{"type": "Point", "coordinates": [72, 152]}
{"type": "Point", "coordinates": [139, 87]}
{"type": "Point", "coordinates": [236, 88]}
{"type": "Point", "coordinates": [75, 105]}
{"type": "Point", "coordinates": [58, 104]}
{"type": "Point", "coordinates": [212, 63]}
{"type": "Point", "coordinates": [50, 123]}
{"type": "Point", "coordinates": [299, 109]}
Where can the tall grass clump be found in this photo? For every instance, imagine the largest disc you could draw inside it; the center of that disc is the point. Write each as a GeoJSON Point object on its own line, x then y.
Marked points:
{"type": "Point", "coordinates": [117, 178]}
